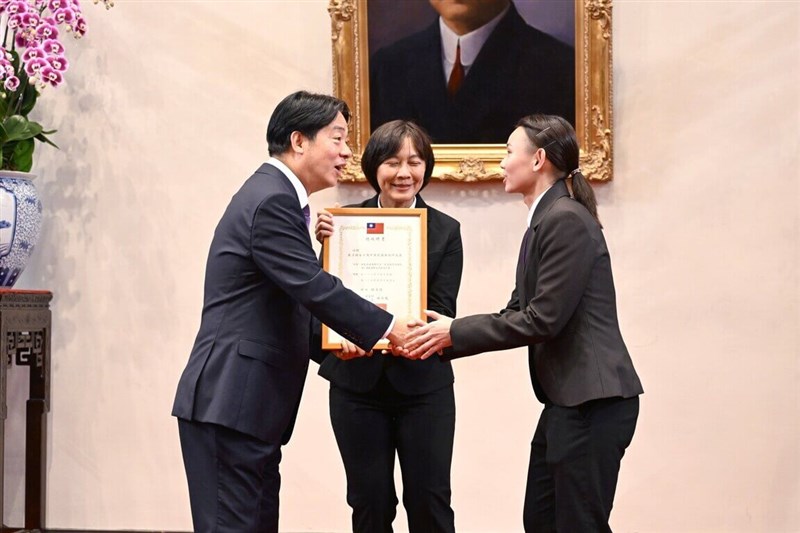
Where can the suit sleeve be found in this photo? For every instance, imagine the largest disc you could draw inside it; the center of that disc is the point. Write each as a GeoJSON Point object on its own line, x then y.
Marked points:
{"type": "Point", "coordinates": [282, 250]}
{"type": "Point", "coordinates": [513, 302]}
{"type": "Point", "coordinates": [444, 285]}
{"type": "Point", "coordinates": [566, 259]}
{"type": "Point", "coordinates": [316, 353]}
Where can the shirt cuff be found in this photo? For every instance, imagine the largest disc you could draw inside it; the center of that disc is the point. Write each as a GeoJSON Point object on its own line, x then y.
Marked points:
{"type": "Point", "coordinates": [391, 325]}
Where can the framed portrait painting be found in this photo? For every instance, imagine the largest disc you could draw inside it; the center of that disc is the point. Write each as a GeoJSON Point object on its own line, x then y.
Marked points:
{"type": "Point", "coordinates": [467, 70]}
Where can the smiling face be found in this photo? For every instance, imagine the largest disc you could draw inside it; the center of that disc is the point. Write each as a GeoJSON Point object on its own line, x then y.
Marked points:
{"type": "Point", "coordinates": [400, 177]}
{"type": "Point", "coordinates": [520, 163]}
{"type": "Point", "coordinates": [325, 156]}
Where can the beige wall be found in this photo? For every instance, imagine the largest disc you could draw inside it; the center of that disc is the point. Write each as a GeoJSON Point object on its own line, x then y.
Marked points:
{"type": "Point", "coordinates": [162, 118]}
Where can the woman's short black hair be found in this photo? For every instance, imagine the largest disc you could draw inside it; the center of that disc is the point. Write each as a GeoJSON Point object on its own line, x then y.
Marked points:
{"type": "Point", "coordinates": [387, 140]}
{"type": "Point", "coordinates": [304, 112]}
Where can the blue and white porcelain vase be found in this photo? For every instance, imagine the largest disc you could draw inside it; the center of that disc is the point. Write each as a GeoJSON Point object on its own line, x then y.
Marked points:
{"type": "Point", "coordinates": [20, 222]}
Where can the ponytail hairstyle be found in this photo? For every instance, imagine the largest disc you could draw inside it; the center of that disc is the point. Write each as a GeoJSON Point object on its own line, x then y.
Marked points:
{"type": "Point", "coordinates": [557, 138]}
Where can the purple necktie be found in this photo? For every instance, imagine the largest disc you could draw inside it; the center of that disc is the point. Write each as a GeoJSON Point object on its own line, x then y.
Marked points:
{"type": "Point", "coordinates": [307, 215]}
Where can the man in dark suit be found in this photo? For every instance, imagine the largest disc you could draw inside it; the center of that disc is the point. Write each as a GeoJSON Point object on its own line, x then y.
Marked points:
{"type": "Point", "coordinates": [564, 309]}
{"type": "Point", "coordinates": [470, 75]}
{"type": "Point", "coordinates": [238, 396]}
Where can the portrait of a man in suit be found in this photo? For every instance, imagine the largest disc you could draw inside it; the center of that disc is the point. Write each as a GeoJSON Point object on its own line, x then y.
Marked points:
{"type": "Point", "coordinates": [472, 70]}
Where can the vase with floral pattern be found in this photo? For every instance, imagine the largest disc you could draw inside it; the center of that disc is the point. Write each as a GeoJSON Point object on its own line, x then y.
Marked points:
{"type": "Point", "coordinates": [20, 222]}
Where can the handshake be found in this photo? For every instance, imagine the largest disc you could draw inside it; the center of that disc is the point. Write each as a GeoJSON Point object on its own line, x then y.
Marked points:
{"type": "Point", "coordinates": [414, 339]}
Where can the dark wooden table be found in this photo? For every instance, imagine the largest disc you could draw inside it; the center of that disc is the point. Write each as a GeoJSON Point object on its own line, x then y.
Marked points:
{"type": "Point", "coordinates": [25, 341]}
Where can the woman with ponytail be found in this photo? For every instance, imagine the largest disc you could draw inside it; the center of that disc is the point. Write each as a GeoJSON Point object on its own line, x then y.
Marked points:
{"type": "Point", "coordinates": [563, 308]}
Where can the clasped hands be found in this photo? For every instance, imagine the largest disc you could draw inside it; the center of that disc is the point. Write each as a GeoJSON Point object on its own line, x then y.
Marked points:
{"type": "Point", "coordinates": [413, 339]}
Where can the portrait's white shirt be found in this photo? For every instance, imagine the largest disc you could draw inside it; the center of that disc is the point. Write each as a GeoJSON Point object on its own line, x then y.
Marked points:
{"type": "Point", "coordinates": [302, 194]}
{"type": "Point", "coordinates": [471, 43]}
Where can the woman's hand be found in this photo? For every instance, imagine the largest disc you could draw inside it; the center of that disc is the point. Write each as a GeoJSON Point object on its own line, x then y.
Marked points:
{"type": "Point", "coordinates": [350, 351]}
{"type": "Point", "coordinates": [324, 225]}
{"type": "Point", "coordinates": [430, 339]}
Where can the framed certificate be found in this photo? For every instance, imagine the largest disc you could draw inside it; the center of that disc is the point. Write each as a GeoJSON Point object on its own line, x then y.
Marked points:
{"type": "Point", "coordinates": [381, 255]}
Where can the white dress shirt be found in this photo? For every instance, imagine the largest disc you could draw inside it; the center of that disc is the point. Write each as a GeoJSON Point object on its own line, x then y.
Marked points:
{"type": "Point", "coordinates": [533, 206]}
{"type": "Point", "coordinates": [412, 206]}
{"type": "Point", "coordinates": [302, 194]}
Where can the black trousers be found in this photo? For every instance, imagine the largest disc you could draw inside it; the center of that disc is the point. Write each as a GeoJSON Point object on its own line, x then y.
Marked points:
{"type": "Point", "coordinates": [575, 458]}
{"type": "Point", "coordinates": [233, 479]}
{"type": "Point", "coordinates": [370, 428]}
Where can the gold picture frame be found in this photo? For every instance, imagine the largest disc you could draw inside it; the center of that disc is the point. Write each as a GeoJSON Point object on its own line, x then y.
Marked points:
{"type": "Point", "coordinates": [480, 162]}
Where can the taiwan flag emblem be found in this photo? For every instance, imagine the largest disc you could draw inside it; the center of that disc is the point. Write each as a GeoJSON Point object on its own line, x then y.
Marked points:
{"type": "Point", "coordinates": [374, 228]}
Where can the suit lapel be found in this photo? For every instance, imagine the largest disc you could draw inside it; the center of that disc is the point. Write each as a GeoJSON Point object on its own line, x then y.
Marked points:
{"type": "Point", "coordinates": [558, 190]}
{"type": "Point", "coordinates": [430, 93]}
{"type": "Point", "coordinates": [370, 202]}
{"type": "Point", "coordinates": [494, 64]}
{"type": "Point", "coordinates": [526, 271]}
{"type": "Point", "coordinates": [525, 248]}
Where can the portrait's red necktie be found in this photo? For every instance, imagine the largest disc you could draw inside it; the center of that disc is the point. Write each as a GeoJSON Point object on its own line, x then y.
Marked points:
{"type": "Point", "coordinates": [456, 75]}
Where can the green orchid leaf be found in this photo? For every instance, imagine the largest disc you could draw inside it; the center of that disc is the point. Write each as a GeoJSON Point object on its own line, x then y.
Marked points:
{"type": "Point", "coordinates": [43, 138]}
{"type": "Point", "coordinates": [23, 155]}
{"type": "Point", "coordinates": [8, 153]}
{"type": "Point", "coordinates": [19, 128]}
{"type": "Point", "coordinates": [29, 96]}
{"type": "Point", "coordinates": [34, 128]}
{"type": "Point", "coordinates": [15, 60]}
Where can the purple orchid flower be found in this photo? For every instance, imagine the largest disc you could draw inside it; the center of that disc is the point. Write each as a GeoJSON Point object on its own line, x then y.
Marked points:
{"type": "Point", "coordinates": [32, 53]}
{"type": "Point", "coordinates": [11, 83]}
{"type": "Point", "coordinates": [17, 7]}
{"type": "Point", "coordinates": [65, 15]}
{"type": "Point", "coordinates": [52, 76]}
{"type": "Point", "coordinates": [47, 31]}
{"type": "Point", "coordinates": [80, 27]}
{"type": "Point", "coordinates": [31, 19]}
{"type": "Point", "coordinates": [35, 65]}
{"type": "Point", "coordinates": [58, 63]}
{"type": "Point", "coordinates": [52, 46]}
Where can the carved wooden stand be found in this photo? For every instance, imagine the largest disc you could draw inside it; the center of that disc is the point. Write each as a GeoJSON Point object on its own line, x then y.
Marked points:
{"type": "Point", "coordinates": [25, 341]}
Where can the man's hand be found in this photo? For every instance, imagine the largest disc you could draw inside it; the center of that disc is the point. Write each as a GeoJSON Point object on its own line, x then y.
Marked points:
{"type": "Point", "coordinates": [430, 338]}
{"type": "Point", "coordinates": [350, 351]}
{"type": "Point", "coordinates": [397, 337]}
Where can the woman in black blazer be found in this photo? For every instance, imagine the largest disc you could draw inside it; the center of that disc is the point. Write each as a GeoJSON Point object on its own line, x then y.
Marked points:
{"type": "Point", "coordinates": [382, 405]}
{"type": "Point", "coordinates": [564, 309]}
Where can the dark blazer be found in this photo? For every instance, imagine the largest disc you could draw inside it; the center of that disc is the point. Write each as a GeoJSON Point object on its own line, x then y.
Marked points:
{"type": "Point", "coordinates": [563, 308]}
{"type": "Point", "coordinates": [248, 365]}
{"type": "Point", "coordinates": [445, 262]}
{"type": "Point", "coordinates": [520, 70]}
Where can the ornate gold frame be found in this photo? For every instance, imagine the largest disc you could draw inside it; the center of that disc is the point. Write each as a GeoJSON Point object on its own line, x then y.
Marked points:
{"type": "Point", "coordinates": [480, 162]}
